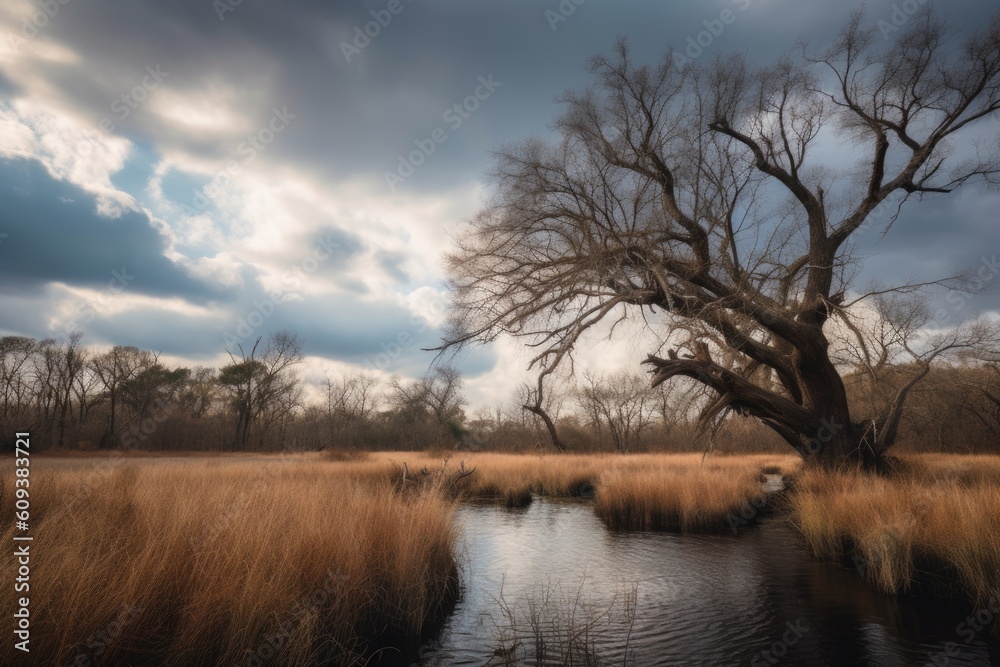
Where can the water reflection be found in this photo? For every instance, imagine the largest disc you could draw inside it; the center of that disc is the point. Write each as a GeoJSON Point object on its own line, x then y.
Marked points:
{"type": "Point", "coordinates": [751, 599]}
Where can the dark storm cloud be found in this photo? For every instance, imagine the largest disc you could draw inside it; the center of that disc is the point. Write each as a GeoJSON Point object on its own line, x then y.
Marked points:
{"type": "Point", "coordinates": [938, 238]}
{"type": "Point", "coordinates": [361, 115]}
{"type": "Point", "coordinates": [54, 233]}
{"type": "Point", "coordinates": [356, 118]}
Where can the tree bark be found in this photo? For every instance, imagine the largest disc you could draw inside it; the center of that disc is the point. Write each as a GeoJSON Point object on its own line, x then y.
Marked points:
{"type": "Point", "coordinates": [549, 425]}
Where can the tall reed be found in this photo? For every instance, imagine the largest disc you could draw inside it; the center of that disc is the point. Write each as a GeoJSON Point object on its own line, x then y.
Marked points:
{"type": "Point", "coordinates": [228, 562]}
{"type": "Point", "coordinates": [937, 515]}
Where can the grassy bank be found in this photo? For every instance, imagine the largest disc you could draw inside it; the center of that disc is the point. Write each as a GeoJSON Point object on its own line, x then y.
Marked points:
{"type": "Point", "coordinates": [936, 522]}
{"type": "Point", "coordinates": [678, 494]}
{"type": "Point", "coordinates": [227, 562]}
{"type": "Point", "coordinates": [937, 518]}
{"type": "Point", "coordinates": [263, 559]}
{"type": "Point", "coordinates": [634, 491]}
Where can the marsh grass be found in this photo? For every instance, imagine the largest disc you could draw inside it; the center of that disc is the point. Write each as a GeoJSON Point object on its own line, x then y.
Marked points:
{"type": "Point", "coordinates": [287, 560]}
{"type": "Point", "coordinates": [936, 521]}
{"type": "Point", "coordinates": [499, 476]}
{"type": "Point", "coordinates": [553, 626]}
{"type": "Point", "coordinates": [229, 562]}
{"type": "Point", "coordinates": [633, 492]}
{"type": "Point", "coordinates": [678, 494]}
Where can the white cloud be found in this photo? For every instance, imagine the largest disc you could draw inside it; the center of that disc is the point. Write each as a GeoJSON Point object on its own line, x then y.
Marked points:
{"type": "Point", "coordinates": [223, 268]}
{"type": "Point", "coordinates": [69, 150]}
{"type": "Point", "coordinates": [429, 304]}
{"type": "Point", "coordinates": [213, 109]}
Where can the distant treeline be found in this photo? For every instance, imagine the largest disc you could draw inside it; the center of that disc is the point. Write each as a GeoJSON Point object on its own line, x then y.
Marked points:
{"type": "Point", "coordinates": [76, 398]}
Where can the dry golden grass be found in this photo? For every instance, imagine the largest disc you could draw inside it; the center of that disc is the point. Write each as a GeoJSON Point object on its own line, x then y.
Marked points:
{"type": "Point", "coordinates": [634, 492]}
{"type": "Point", "coordinates": [650, 476]}
{"type": "Point", "coordinates": [262, 559]}
{"type": "Point", "coordinates": [937, 515]}
{"type": "Point", "coordinates": [221, 562]}
{"type": "Point", "coordinates": [552, 475]}
{"type": "Point", "coordinates": [678, 492]}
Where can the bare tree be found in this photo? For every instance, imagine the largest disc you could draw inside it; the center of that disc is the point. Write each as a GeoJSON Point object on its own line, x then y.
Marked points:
{"type": "Point", "coordinates": [622, 403]}
{"type": "Point", "coordinates": [692, 197]}
{"type": "Point", "coordinates": [39, 382]}
{"type": "Point", "coordinates": [353, 396]}
{"type": "Point", "coordinates": [45, 367]}
{"type": "Point", "coordinates": [676, 404]}
{"type": "Point", "coordinates": [540, 401]}
{"type": "Point", "coordinates": [200, 393]}
{"type": "Point", "coordinates": [874, 345]}
{"type": "Point", "coordinates": [985, 410]}
{"type": "Point", "coordinates": [543, 400]}
{"type": "Point", "coordinates": [443, 395]}
{"type": "Point", "coordinates": [263, 390]}
{"type": "Point", "coordinates": [891, 347]}
{"type": "Point", "coordinates": [85, 390]}
{"type": "Point", "coordinates": [15, 381]}
{"type": "Point", "coordinates": [72, 363]}
{"type": "Point", "coordinates": [114, 368]}
{"type": "Point", "coordinates": [351, 402]}
{"type": "Point", "coordinates": [153, 388]}
{"type": "Point", "coordinates": [436, 396]}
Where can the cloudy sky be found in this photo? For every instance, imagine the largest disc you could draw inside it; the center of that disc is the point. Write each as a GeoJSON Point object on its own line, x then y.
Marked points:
{"type": "Point", "coordinates": [182, 176]}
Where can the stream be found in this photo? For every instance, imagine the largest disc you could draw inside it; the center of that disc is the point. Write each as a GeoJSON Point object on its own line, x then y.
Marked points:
{"type": "Point", "coordinates": [549, 584]}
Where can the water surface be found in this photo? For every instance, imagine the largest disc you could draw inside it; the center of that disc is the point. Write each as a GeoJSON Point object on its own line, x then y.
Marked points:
{"type": "Point", "coordinates": [755, 598]}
